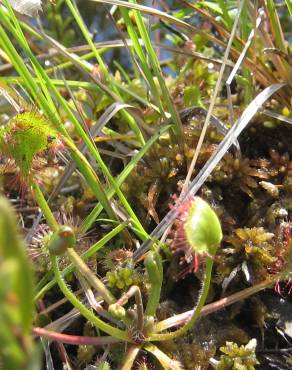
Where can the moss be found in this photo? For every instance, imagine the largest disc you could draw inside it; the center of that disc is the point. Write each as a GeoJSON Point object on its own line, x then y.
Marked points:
{"type": "Point", "coordinates": [238, 358]}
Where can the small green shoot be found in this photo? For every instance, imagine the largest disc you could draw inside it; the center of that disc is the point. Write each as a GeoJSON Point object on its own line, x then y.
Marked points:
{"type": "Point", "coordinates": [154, 268]}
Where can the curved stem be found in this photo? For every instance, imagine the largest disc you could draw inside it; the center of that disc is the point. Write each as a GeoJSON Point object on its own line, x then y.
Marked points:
{"type": "Point", "coordinates": [42, 203]}
{"type": "Point", "coordinates": [93, 249]}
{"type": "Point", "coordinates": [97, 284]}
{"type": "Point", "coordinates": [166, 362]}
{"type": "Point", "coordinates": [130, 357]}
{"type": "Point", "coordinates": [78, 262]}
{"type": "Point", "coordinates": [197, 310]}
{"type": "Point", "coordinates": [140, 312]}
{"type": "Point", "coordinates": [117, 333]}
{"type": "Point", "coordinates": [134, 291]}
{"type": "Point", "coordinates": [92, 279]}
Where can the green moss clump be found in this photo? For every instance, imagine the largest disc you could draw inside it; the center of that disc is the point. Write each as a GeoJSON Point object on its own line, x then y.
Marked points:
{"type": "Point", "coordinates": [238, 358]}
{"type": "Point", "coordinates": [122, 278]}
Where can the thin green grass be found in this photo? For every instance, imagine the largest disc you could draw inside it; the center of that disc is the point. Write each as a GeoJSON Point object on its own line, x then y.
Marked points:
{"type": "Point", "coordinates": [103, 67]}
{"type": "Point", "coordinates": [128, 101]}
{"type": "Point", "coordinates": [47, 105]}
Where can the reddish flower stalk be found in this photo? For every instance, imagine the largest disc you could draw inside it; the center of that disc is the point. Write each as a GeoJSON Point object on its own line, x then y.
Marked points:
{"type": "Point", "coordinates": [76, 340]}
{"type": "Point", "coordinates": [284, 261]}
{"type": "Point", "coordinates": [182, 318]}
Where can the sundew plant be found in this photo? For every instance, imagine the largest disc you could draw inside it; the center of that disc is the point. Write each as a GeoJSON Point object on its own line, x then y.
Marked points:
{"type": "Point", "coordinates": [146, 189]}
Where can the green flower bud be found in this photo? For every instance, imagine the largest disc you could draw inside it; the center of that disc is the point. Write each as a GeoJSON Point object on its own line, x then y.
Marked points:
{"type": "Point", "coordinates": [61, 240]}
{"type": "Point", "coordinates": [202, 227]}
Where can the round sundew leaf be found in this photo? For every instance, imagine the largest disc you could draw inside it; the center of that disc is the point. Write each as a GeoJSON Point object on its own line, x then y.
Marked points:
{"type": "Point", "coordinates": [202, 228]}
{"type": "Point", "coordinates": [61, 240]}
{"type": "Point", "coordinates": [27, 135]}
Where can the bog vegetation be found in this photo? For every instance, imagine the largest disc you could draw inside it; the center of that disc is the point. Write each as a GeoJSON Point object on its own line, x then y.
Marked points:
{"type": "Point", "coordinates": [146, 185]}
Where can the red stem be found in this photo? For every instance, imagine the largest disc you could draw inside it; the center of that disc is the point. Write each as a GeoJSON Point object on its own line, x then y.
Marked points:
{"type": "Point", "coordinates": [74, 339]}
{"type": "Point", "coordinates": [215, 306]}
